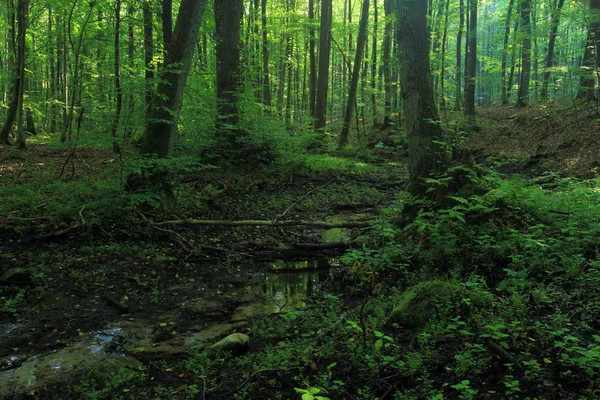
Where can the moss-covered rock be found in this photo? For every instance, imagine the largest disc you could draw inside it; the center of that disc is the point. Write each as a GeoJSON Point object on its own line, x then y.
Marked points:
{"type": "Point", "coordinates": [236, 343]}
{"type": "Point", "coordinates": [415, 306]}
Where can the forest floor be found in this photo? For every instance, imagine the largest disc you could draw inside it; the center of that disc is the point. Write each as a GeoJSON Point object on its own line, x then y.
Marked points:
{"type": "Point", "coordinates": [89, 282]}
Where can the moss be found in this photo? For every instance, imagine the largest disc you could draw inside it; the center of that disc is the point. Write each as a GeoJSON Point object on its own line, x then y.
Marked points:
{"type": "Point", "coordinates": [419, 303]}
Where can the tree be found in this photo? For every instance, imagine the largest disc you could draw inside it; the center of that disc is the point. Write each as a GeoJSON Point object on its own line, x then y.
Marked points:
{"type": "Point", "coordinates": [591, 60]}
{"type": "Point", "coordinates": [426, 156]}
{"type": "Point", "coordinates": [228, 15]}
{"type": "Point", "coordinates": [265, 53]}
{"type": "Point", "coordinates": [504, 56]}
{"type": "Point", "coordinates": [164, 113]}
{"type": "Point", "coordinates": [459, 35]}
{"type": "Point", "coordinates": [388, 8]}
{"type": "Point", "coordinates": [471, 61]}
{"type": "Point", "coordinates": [360, 47]}
{"type": "Point", "coordinates": [549, 61]}
{"type": "Point", "coordinates": [324, 53]}
{"type": "Point", "coordinates": [523, 94]}
{"type": "Point", "coordinates": [15, 111]}
{"type": "Point", "coordinates": [117, 70]}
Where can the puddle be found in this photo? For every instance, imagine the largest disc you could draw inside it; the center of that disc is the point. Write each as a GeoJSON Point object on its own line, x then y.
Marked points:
{"type": "Point", "coordinates": [75, 359]}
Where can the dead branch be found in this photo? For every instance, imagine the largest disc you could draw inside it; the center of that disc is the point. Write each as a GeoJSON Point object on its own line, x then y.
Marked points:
{"type": "Point", "coordinates": [314, 224]}
{"type": "Point", "coordinates": [503, 355]}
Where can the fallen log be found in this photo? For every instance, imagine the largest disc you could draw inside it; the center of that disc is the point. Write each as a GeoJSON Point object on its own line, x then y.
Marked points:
{"type": "Point", "coordinates": [250, 222]}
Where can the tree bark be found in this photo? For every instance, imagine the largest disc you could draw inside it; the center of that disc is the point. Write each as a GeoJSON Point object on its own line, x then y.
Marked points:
{"type": "Point", "coordinates": [360, 47]}
{"type": "Point", "coordinates": [324, 53]}
{"type": "Point", "coordinates": [523, 93]}
{"type": "Point", "coordinates": [426, 156]}
{"type": "Point", "coordinates": [459, 35]}
{"type": "Point", "coordinates": [228, 15]}
{"type": "Point", "coordinates": [164, 114]}
{"type": "Point", "coordinates": [591, 60]}
{"type": "Point", "coordinates": [11, 115]}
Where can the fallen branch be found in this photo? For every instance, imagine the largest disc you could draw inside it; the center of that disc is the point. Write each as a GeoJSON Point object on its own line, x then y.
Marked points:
{"type": "Point", "coordinates": [503, 355]}
{"type": "Point", "coordinates": [314, 224]}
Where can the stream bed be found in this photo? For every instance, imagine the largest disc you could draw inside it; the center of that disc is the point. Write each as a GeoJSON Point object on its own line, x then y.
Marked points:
{"type": "Point", "coordinates": [284, 286]}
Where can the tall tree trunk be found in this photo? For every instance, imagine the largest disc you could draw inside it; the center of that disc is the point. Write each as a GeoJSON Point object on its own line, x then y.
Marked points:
{"type": "Point", "coordinates": [130, 54]}
{"type": "Point", "coordinates": [148, 54]}
{"type": "Point", "coordinates": [265, 54]}
{"type": "Point", "coordinates": [548, 63]}
{"type": "Point", "coordinates": [117, 70]}
{"type": "Point", "coordinates": [324, 53]}
{"type": "Point", "coordinates": [312, 78]}
{"type": "Point", "coordinates": [420, 110]}
{"type": "Point", "coordinates": [443, 57]}
{"type": "Point", "coordinates": [374, 63]}
{"type": "Point", "coordinates": [387, 58]}
{"type": "Point", "coordinates": [22, 22]}
{"type": "Point", "coordinates": [523, 94]}
{"type": "Point", "coordinates": [360, 47]}
{"type": "Point", "coordinates": [164, 114]}
{"type": "Point", "coordinates": [471, 63]}
{"type": "Point", "coordinates": [591, 59]}
{"type": "Point", "coordinates": [11, 115]}
{"type": "Point", "coordinates": [459, 35]}
{"type": "Point", "coordinates": [503, 79]}
{"type": "Point", "coordinates": [76, 48]}
{"type": "Point", "coordinates": [228, 16]}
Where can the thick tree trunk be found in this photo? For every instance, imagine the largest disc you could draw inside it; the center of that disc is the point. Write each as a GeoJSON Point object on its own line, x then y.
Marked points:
{"type": "Point", "coordinates": [420, 111]}
{"type": "Point", "coordinates": [591, 60]}
{"type": "Point", "coordinates": [324, 53]}
{"type": "Point", "coordinates": [228, 15]}
{"type": "Point", "coordinates": [551, 42]}
{"type": "Point", "coordinates": [11, 114]}
{"type": "Point", "coordinates": [360, 47]}
{"type": "Point", "coordinates": [523, 94]}
{"type": "Point", "coordinates": [164, 114]}
{"type": "Point", "coordinates": [471, 61]}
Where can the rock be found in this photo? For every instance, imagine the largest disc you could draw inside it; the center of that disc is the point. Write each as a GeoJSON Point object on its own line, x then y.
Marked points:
{"type": "Point", "coordinates": [236, 343]}
{"type": "Point", "coordinates": [103, 372]}
{"type": "Point", "coordinates": [17, 276]}
{"type": "Point", "coordinates": [415, 306]}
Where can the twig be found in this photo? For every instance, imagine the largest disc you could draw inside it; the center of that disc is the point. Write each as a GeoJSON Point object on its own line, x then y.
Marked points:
{"type": "Point", "coordinates": [503, 354]}
{"type": "Point", "coordinates": [300, 199]}
{"type": "Point", "coordinates": [62, 171]}
{"type": "Point", "coordinates": [58, 233]}
{"type": "Point", "coordinates": [81, 215]}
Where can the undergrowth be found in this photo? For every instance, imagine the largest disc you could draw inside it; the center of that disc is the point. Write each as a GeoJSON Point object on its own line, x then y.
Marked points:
{"type": "Point", "coordinates": [489, 292]}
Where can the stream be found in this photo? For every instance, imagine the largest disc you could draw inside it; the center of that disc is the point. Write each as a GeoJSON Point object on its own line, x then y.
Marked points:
{"type": "Point", "coordinates": [285, 286]}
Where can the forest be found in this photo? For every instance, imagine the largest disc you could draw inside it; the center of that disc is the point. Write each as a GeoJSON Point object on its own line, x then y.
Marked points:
{"type": "Point", "coordinates": [300, 199]}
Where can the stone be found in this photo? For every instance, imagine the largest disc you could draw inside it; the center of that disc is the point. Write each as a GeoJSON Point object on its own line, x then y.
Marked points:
{"type": "Point", "coordinates": [17, 276]}
{"type": "Point", "coordinates": [236, 343]}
